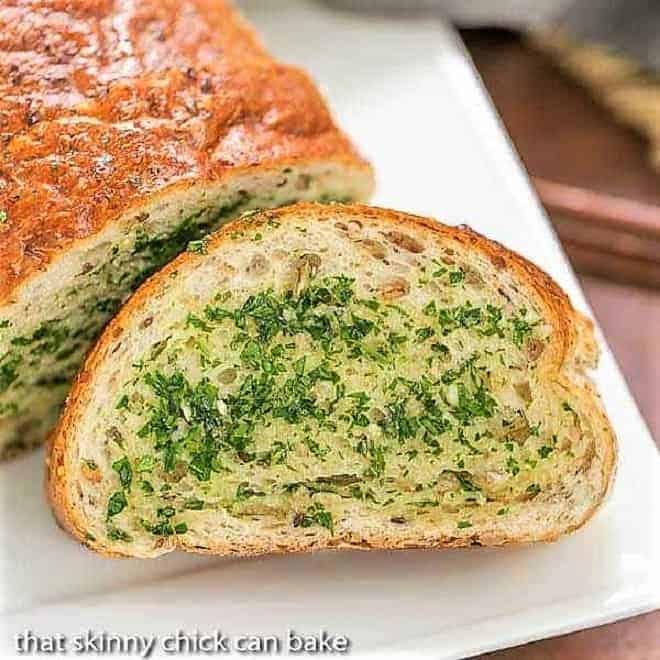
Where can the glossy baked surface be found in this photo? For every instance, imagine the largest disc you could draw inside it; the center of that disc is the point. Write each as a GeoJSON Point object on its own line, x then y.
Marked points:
{"type": "Point", "coordinates": [104, 103]}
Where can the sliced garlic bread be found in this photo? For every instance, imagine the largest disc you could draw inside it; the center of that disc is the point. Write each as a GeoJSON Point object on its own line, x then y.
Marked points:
{"type": "Point", "coordinates": [334, 376]}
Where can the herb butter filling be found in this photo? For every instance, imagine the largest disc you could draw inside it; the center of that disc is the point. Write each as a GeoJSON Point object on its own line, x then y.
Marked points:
{"type": "Point", "coordinates": [308, 406]}
{"type": "Point", "coordinates": [37, 364]}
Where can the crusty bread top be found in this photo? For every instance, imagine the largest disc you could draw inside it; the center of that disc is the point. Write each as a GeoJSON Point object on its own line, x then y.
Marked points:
{"type": "Point", "coordinates": [103, 103]}
{"type": "Point", "coordinates": [377, 247]}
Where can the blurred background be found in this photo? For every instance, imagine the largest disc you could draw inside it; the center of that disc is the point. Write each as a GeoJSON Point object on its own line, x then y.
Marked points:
{"type": "Point", "coordinates": [577, 87]}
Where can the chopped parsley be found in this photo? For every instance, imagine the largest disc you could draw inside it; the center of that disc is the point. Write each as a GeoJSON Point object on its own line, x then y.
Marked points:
{"type": "Point", "coordinates": [545, 451]}
{"type": "Point", "coordinates": [199, 246]}
{"type": "Point", "coordinates": [117, 503]}
{"type": "Point", "coordinates": [456, 277]}
{"type": "Point", "coordinates": [315, 514]}
{"type": "Point", "coordinates": [522, 328]}
{"type": "Point", "coordinates": [116, 534]}
{"type": "Point", "coordinates": [123, 468]}
{"type": "Point", "coordinates": [313, 393]}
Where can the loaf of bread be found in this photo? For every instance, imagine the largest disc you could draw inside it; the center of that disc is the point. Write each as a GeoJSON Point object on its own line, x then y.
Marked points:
{"type": "Point", "coordinates": [128, 130]}
{"type": "Point", "coordinates": [328, 376]}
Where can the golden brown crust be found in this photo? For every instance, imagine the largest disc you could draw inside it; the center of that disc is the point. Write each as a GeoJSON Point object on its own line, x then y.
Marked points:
{"type": "Point", "coordinates": [104, 103]}
{"type": "Point", "coordinates": [564, 361]}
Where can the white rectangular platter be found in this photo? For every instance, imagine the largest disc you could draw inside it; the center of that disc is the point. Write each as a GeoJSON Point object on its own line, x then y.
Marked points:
{"type": "Point", "coordinates": [407, 93]}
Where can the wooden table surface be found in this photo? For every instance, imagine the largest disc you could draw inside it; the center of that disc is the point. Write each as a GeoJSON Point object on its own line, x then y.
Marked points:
{"type": "Point", "coordinates": [563, 135]}
{"type": "Point", "coordinates": [560, 132]}
{"type": "Point", "coordinates": [593, 175]}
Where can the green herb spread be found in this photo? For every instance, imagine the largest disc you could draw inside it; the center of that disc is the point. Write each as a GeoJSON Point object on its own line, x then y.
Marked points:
{"type": "Point", "coordinates": [307, 407]}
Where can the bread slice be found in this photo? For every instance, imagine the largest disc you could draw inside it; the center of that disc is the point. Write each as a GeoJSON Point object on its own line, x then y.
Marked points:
{"type": "Point", "coordinates": [130, 129]}
{"type": "Point", "coordinates": [334, 376]}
